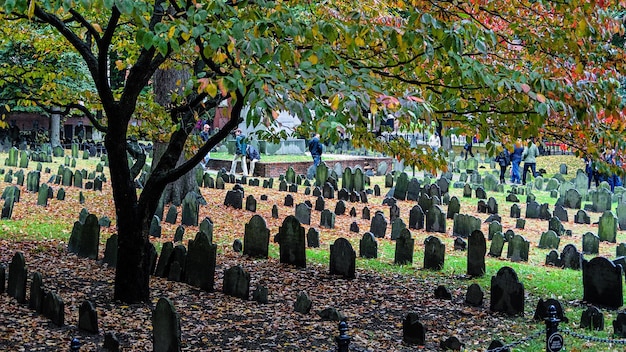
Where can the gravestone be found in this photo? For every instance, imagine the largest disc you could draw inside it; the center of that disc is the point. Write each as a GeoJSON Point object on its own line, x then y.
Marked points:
{"type": "Point", "coordinates": [602, 283]}
{"type": "Point", "coordinates": [155, 227]}
{"type": "Point", "coordinates": [376, 190]}
{"type": "Point", "coordinates": [561, 213]}
{"type": "Point", "coordinates": [256, 237]}
{"type": "Point", "coordinates": [303, 213]}
{"type": "Point", "coordinates": [172, 214]}
{"type": "Point", "coordinates": [435, 220]}
{"type": "Point", "coordinates": [416, 218]}
{"type": "Point", "coordinates": [404, 248]}
{"type": "Point", "coordinates": [494, 227]}
{"type": "Point", "coordinates": [507, 292]}
{"type": "Point", "coordinates": [36, 292]}
{"type": "Point", "coordinates": [454, 207]}
{"type": "Point", "coordinates": [549, 240]}
{"type": "Point", "coordinates": [476, 249]}
{"type": "Point", "coordinates": [236, 282]}
{"type": "Point", "coordinates": [601, 200]}
{"type": "Point", "coordinates": [110, 251]}
{"type": "Point", "coordinates": [89, 239]}
{"type": "Point", "coordinates": [320, 203]}
{"type": "Point", "coordinates": [327, 219]}
{"type": "Point", "coordinates": [200, 262]}
{"type": "Point", "coordinates": [251, 203]}
{"type": "Point", "coordinates": [511, 197]}
{"type": "Point", "coordinates": [88, 317]}
{"type": "Point", "coordinates": [544, 212]}
{"type": "Point", "coordinates": [571, 258]}
{"type": "Point", "coordinates": [164, 259]}
{"type": "Point", "coordinates": [340, 207]}
{"type": "Point", "coordinates": [388, 180]}
{"type": "Point", "coordinates": [292, 242]}
{"type": "Point", "coordinates": [53, 308]}
{"type": "Point", "coordinates": [474, 296]}
{"type": "Point", "coordinates": [620, 250]}
{"type": "Point", "coordinates": [394, 212]}
{"type": "Point", "coordinates": [313, 238]}
{"type": "Point", "coordinates": [206, 227]}
{"type": "Point", "coordinates": [328, 192]}
{"type": "Point", "coordinates": [607, 227]}
{"type": "Point", "coordinates": [413, 190]}
{"type": "Point", "coordinates": [480, 193]}
{"type": "Point", "coordinates": [342, 259]}
{"type": "Point", "coordinates": [555, 225]}
{"type": "Point", "coordinates": [165, 327]}
{"type": "Point", "coordinates": [378, 226]}
{"type": "Point", "coordinates": [402, 185]}
{"type": "Point", "coordinates": [303, 303]}
{"type": "Point", "coordinates": [190, 208]}
{"type": "Point", "coordinates": [621, 216]}
{"type": "Point", "coordinates": [321, 174]}
{"type": "Point", "coordinates": [274, 211]}
{"type": "Point", "coordinates": [591, 243]}
{"type": "Point", "coordinates": [288, 201]}
{"type": "Point", "coordinates": [16, 287]}
{"type": "Point", "coordinates": [532, 210]}
{"type": "Point", "coordinates": [465, 224]}
{"type": "Point", "coordinates": [467, 191]}
{"type": "Point", "coordinates": [368, 247]}
{"type": "Point", "coordinates": [515, 211]}
{"type": "Point", "coordinates": [592, 319]}
{"type": "Point", "coordinates": [518, 249]}
{"type": "Point", "coordinates": [497, 244]}
{"type": "Point", "coordinates": [413, 332]}
{"type": "Point", "coordinates": [582, 217]}
{"type": "Point", "coordinates": [434, 253]}
{"type": "Point", "coordinates": [365, 213]}
{"type": "Point", "coordinates": [396, 227]}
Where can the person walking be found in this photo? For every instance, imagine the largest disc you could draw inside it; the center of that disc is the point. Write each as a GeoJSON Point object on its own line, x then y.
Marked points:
{"type": "Point", "coordinates": [529, 156]}
{"type": "Point", "coordinates": [592, 172]}
{"type": "Point", "coordinates": [516, 159]}
{"type": "Point", "coordinates": [253, 155]}
{"type": "Point", "coordinates": [468, 149]}
{"type": "Point", "coordinates": [240, 153]}
{"type": "Point", "coordinates": [503, 159]}
{"type": "Point", "coordinates": [315, 147]}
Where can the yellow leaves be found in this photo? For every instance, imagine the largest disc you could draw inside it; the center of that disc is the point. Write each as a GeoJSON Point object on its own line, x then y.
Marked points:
{"type": "Point", "coordinates": [219, 57]}
{"type": "Point", "coordinates": [207, 86]}
{"type": "Point", "coordinates": [541, 98]}
{"type": "Point", "coordinates": [313, 59]}
{"type": "Point", "coordinates": [31, 9]}
{"type": "Point", "coordinates": [119, 64]}
{"type": "Point", "coordinates": [97, 27]}
{"type": "Point", "coordinates": [334, 102]}
{"type": "Point", "coordinates": [171, 32]}
{"type": "Point", "coordinates": [360, 42]}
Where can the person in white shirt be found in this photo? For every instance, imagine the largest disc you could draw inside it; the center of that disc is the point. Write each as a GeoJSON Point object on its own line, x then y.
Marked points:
{"type": "Point", "coordinates": [434, 143]}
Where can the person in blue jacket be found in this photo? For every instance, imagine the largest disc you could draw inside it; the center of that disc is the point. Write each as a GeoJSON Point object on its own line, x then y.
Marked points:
{"type": "Point", "coordinates": [516, 159]}
{"type": "Point", "coordinates": [253, 155]}
{"type": "Point", "coordinates": [315, 147]}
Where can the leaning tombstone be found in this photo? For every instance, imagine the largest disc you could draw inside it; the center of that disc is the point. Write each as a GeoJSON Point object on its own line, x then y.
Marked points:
{"type": "Point", "coordinates": [165, 327]}
{"type": "Point", "coordinates": [497, 244]}
{"type": "Point", "coordinates": [507, 292]}
{"type": "Point", "coordinates": [602, 283]}
{"type": "Point", "coordinates": [342, 259]}
{"type": "Point", "coordinates": [190, 208]}
{"type": "Point", "coordinates": [303, 213]}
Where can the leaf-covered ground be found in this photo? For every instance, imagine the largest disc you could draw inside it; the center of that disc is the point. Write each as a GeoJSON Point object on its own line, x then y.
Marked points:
{"type": "Point", "coordinates": [374, 303]}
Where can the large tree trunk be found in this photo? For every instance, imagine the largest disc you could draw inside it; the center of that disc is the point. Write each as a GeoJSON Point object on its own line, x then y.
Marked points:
{"type": "Point", "coordinates": [174, 192]}
{"type": "Point", "coordinates": [164, 84]}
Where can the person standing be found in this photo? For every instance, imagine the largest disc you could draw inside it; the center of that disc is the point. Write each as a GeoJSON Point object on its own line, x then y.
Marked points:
{"type": "Point", "coordinates": [468, 149]}
{"type": "Point", "coordinates": [204, 135]}
{"type": "Point", "coordinates": [240, 153]}
{"type": "Point", "coordinates": [529, 156]}
{"type": "Point", "coordinates": [503, 159]}
{"type": "Point", "coordinates": [434, 143]}
{"type": "Point", "coordinates": [253, 155]}
{"type": "Point", "coordinates": [516, 159]}
{"type": "Point", "coordinates": [315, 147]}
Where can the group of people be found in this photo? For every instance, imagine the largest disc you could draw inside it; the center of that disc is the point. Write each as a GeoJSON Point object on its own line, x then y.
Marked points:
{"type": "Point", "coordinates": [243, 152]}
{"type": "Point", "coordinates": [527, 154]}
{"type": "Point", "coordinates": [594, 175]}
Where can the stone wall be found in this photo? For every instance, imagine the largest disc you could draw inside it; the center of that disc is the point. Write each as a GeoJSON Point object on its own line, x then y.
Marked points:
{"type": "Point", "coordinates": [264, 169]}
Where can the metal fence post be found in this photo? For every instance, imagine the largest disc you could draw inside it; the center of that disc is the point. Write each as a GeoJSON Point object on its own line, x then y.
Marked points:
{"type": "Point", "coordinates": [343, 340]}
{"type": "Point", "coordinates": [554, 340]}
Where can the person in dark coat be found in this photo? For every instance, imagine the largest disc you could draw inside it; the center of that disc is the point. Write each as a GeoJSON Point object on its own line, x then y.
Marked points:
{"type": "Point", "coordinates": [516, 159]}
{"type": "Point", "coordinates": [315, 147]}
{"type": "Point", "coordinates": [503, 159]}
{"type": "Point", "coordinates": [253, 155]}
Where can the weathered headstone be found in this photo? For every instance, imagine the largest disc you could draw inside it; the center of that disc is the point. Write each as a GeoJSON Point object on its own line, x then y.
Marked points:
{"type": "Point", "coordinates": [607, 227]}
{"type": "Point", "coordinates": [435, 220]}
{"type": "Point", "coordinates": [413, 332]}
{"type": "Point", "coordinates": [476, 249]}
{"type": "Point", "coordinates": [518, 249]}
{"type": "Point", "coordinates": [342, 259]}
{"type": "Point", "coordinates": [327, 219]}
{"type": "Point", "coordinates": [434, 253]}
{"type": "Point", "coordinates": [110, 251]}
{"type": "Point", "coordinates": [582, 217]}
{"type": "Point", "coordinates": [416, 218]}
{"type": "Point", "coordinates": [303, 303]}
{"type": "Point", "coordinates": [88, 317]}
{"type": "Point", "coordinates": [368, 247]}
{"type": "Point", "coordinates": [464, 225]}
{"type": "Point", "coordinates": [313, 238]}
{"type": "Point", "coordinates": [89, 238]}
{"type": "Point", "coordinates": [256, 237]}
{"type": "Point", "coordinates": [602, 283]}
{"type": "Point", "coordinates": [507, 292]}
{"type": "Point", "coordinates": [497, 244]}
{"type": "Point", "coordinates": [200, 262]}
{"type": "Point", "coordinates": [571, 258]}
{"type": "Point", "coordinates": [404, 248]}
{"type": "Point", "coordinates": [378, 226]}
{"type": "Point", "coordinates": [591, 243]}
{"type": "Point", "coordinates": [236, 282]}
{"type": "Point", "coordinates": [165, 327]}
{"type": "Point", "coordinates": [292, 242]}
{"type": "Point", "coordinates": [549, 240]}
{"type": "Point", "coordinates": [190, 208]}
